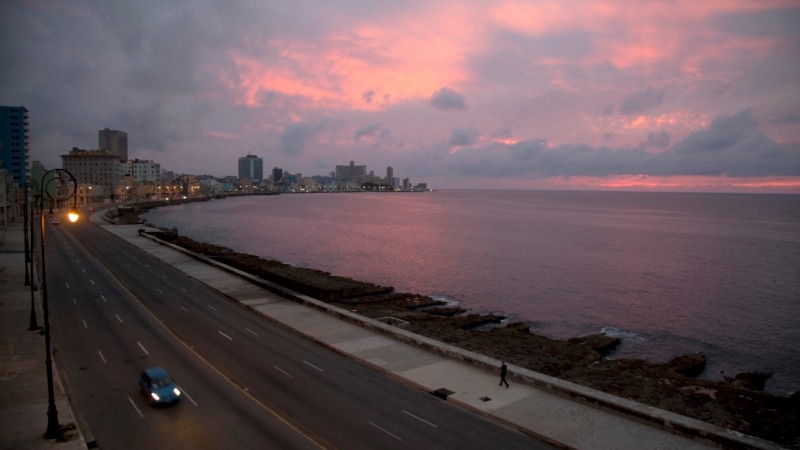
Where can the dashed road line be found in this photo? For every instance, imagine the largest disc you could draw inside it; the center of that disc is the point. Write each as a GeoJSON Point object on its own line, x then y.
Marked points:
{"type": "Point", "coordinates": [421, 419]}
{"type": "Point", "coordinates": [229, 338]}
{"type": "Point", "coordinates": [138, 411]}
{"type": "Point", "coordinates": [313, 366]}
{"type": "Point", "coordinates": [385, 431]}
{"type": "Point", "coordinates": [282, 371]}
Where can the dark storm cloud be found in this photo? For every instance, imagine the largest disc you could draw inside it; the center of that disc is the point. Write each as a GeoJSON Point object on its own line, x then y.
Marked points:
{"type": "Point", "coordinates": [641, 101]}
{"type": "Point", "coordinates": [293, 138]}
{"type": "Point", "coordinates": [787, 118]}
{"type": "Point", "coordinates": [368, 96]}
{"type": "Point", "coordinates": [446, 98]}
{"type": "Point", "coordinates": [462, 136]}
{"type": "Point", "coordinates": [767, 23]}
{"type": "Point", "coordinates": [732, 146]}
{"type": "Point", "coordinates": [127, 66]}
{"type": "Point", "coordinates": [513, 58]}
{"type": "Point", "coordinates": [658, 140]}
{"type": "Point", "coordinates": [368, 130]}
{"type": "Point", "coordinates": [527, 150]}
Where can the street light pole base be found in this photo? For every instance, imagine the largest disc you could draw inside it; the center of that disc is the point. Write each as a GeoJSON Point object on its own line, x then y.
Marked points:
{"type": "Point", "coordinates": [33, 326]}
{"type": "Point", "coordinates": [53, 428]}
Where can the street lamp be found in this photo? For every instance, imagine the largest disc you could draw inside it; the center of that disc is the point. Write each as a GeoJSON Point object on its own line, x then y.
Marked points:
{"type": "Point", "coordinates": [25, 231]}
{"type": "Point", "coordinates": [53, 428]}
{"type": "Point", "coordinates": [32, 325]}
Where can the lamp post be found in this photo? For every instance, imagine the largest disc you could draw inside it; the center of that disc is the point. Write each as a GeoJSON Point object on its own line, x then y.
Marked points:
{"type": "Point", "coordinates": [53, 428]}
{"type": "Point", "coordinates": [25, 231]}
{"type": "Point", "coordinates": [32, 325]}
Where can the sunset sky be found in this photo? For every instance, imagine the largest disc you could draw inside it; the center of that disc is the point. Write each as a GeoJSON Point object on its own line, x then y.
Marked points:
{"type": "Point", "coordinates": [669, 95]}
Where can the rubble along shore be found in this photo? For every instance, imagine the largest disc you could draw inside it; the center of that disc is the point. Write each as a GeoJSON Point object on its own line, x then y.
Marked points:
{"type": "Point", "coordinates": [738, 403]}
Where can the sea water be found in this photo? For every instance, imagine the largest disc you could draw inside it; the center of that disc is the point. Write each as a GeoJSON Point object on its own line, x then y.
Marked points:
{"type": "Point", "coordinates": [668, 273]}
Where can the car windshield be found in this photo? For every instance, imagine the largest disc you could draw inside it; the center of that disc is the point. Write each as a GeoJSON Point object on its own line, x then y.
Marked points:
{"type": "Point", "coordinates": [160, 382]}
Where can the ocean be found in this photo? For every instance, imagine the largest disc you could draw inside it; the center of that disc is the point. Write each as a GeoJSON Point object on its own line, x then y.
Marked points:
{"type": "Point", "coordinates": [668, 273]}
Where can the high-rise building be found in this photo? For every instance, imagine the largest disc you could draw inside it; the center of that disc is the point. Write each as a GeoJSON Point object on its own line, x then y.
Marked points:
{"type": "Point", "coordinates": [251, 166]}
{"type": "Point", "coordinates": [14, 142]}
{"type": "Point", "coordinates": [389, 176]}
{"type": "Point", "coordinates": [351, 172]}
{"type": "Point", "coordinates": [277, 175]}
{"type": "Point", "coordinates": [115, 142]}
{"type": "Point", "coordinates": [97, 168]}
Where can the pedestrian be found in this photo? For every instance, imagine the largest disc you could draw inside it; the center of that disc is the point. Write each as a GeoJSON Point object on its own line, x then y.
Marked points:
{"type": "Point", "coordinates": [503, 371]}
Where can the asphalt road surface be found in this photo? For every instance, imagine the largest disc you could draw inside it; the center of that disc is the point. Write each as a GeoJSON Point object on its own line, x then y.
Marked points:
{"type": "Point", "coordinates": [247, 382]}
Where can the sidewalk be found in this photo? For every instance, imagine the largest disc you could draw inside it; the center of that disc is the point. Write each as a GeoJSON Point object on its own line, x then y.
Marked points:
{"type": "Point", "coordinates": [23, 378]}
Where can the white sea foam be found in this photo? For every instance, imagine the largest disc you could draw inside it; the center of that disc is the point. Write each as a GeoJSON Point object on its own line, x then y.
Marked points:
{"type": "Point", "coordinates": [620, 334]}
{"type": "Point", "coordinates": [447, 300]}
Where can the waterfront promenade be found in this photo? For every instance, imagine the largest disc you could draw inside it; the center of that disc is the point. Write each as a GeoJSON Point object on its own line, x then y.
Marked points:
{"type": "Point", "coordinates": [562, 413]}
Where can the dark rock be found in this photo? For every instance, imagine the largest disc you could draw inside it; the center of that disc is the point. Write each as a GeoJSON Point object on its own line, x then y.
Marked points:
{"type": "Point", "coordinates": [689, 365]}
{"type": "Point", "coordinates": [754, 381]}
{"type": "Point", "coordinates": [600, 343]}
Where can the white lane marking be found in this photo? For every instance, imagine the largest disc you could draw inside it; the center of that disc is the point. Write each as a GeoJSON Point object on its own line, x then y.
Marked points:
{"type": "Point", "coordinates": [313, 366]}
{"type": "Point", "coordinates": [385, 431]}
{"type": "Point", "coordinates": [84, 270]}
{"type": "Point", "coordinates": [163, 276]}
{"type": "Point", "coordinates": [67, 285]}
{"type": "Point", "coordinates": [92, 281]}
{"type": "Point", "coordinates": [251, 331]}
{"type": "Point", "coordinates": [184, 308]}
{"type": "Point", "coordinates": [84, 324]}
{"type": "Point", "coordinates": [229, 338]}
{"type": "Point", "coordinates": [74, 302]}
{"type": "Point", "coordinates": [420, 419]}
{"type": "Point", "coordinates": [118, 317]}
{"type": "Point", "coordinates": [142, 347]}
{"type": "Point", "coordinates": [101, 356]}
{"type": "Point", "coordinates": [104, 298]}
{"type": "Point", "coordinates": [184, 290]}
{"type": "Point", "coordinates": [212, 307]}
{"type": "Point", "coordinates": [282, 371]}
{"type": "Point", "coordinates": [135, 407]}
{"type": "Point", "coordinates": [159, 291]}
{"type": "Point", "coordinates": [183, 391]}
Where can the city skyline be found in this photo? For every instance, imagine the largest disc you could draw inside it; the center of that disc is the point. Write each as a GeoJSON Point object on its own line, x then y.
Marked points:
{"type": "Point", "coordinates": [501, 94]}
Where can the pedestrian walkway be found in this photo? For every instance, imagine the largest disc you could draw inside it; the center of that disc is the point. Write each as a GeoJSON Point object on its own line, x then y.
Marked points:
{"type": "Point", "coordinates": [560, 412]}
{"type": "Point", "coordinates": [23, 377]}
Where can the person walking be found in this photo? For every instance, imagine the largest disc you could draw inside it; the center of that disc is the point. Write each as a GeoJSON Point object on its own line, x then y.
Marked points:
{"type": "Point", "coordinates": [503, 372]}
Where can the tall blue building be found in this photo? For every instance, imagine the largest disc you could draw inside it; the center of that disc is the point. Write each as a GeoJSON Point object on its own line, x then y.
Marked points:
{"type": "Point", "coordinates": [14, 142]}
{"type": "Point", "coordinates": [251, 166]}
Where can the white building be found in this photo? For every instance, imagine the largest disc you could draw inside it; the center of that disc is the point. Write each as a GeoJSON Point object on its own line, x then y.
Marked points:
{"type": "Point", "coordinates": [141, 171]}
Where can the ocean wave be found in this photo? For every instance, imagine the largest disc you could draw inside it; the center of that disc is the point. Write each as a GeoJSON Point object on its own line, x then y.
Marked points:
{"type": "Point", "coordinates": [450, 301]}
{"type": "Point", "coordinates": [620, 334]}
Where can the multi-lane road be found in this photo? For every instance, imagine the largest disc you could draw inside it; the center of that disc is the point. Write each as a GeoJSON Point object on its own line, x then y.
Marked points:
{"type": "Point", "coordinates": [247, 382]}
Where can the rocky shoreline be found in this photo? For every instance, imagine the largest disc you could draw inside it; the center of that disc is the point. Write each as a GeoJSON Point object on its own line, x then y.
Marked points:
{"type": "Point", "coordinates": [738, 403]}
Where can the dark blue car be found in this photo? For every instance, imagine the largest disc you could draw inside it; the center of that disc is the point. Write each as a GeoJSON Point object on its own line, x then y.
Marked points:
{"type": "Point", "coordinates": [158, 387]}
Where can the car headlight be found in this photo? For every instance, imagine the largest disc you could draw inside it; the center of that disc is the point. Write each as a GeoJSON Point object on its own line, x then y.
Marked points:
{"type": "Point", "coordinates": [177, 392]}
{"type": "Point", "coordinates": [155, 396]}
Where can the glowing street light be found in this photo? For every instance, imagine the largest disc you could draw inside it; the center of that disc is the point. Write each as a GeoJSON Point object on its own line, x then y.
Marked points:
{"type": "Point", "coordinates": [53, 428]}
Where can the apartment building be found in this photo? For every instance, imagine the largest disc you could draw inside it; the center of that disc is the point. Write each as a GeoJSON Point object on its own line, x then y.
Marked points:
{"type": "Point", "coordinates": [98, 169]}
{"type": "Point", "coordinates": [14, 146]}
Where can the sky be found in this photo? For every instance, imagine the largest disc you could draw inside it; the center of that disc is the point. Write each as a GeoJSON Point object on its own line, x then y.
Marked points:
{"type": "Point", "coordinates": [479, 94]}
